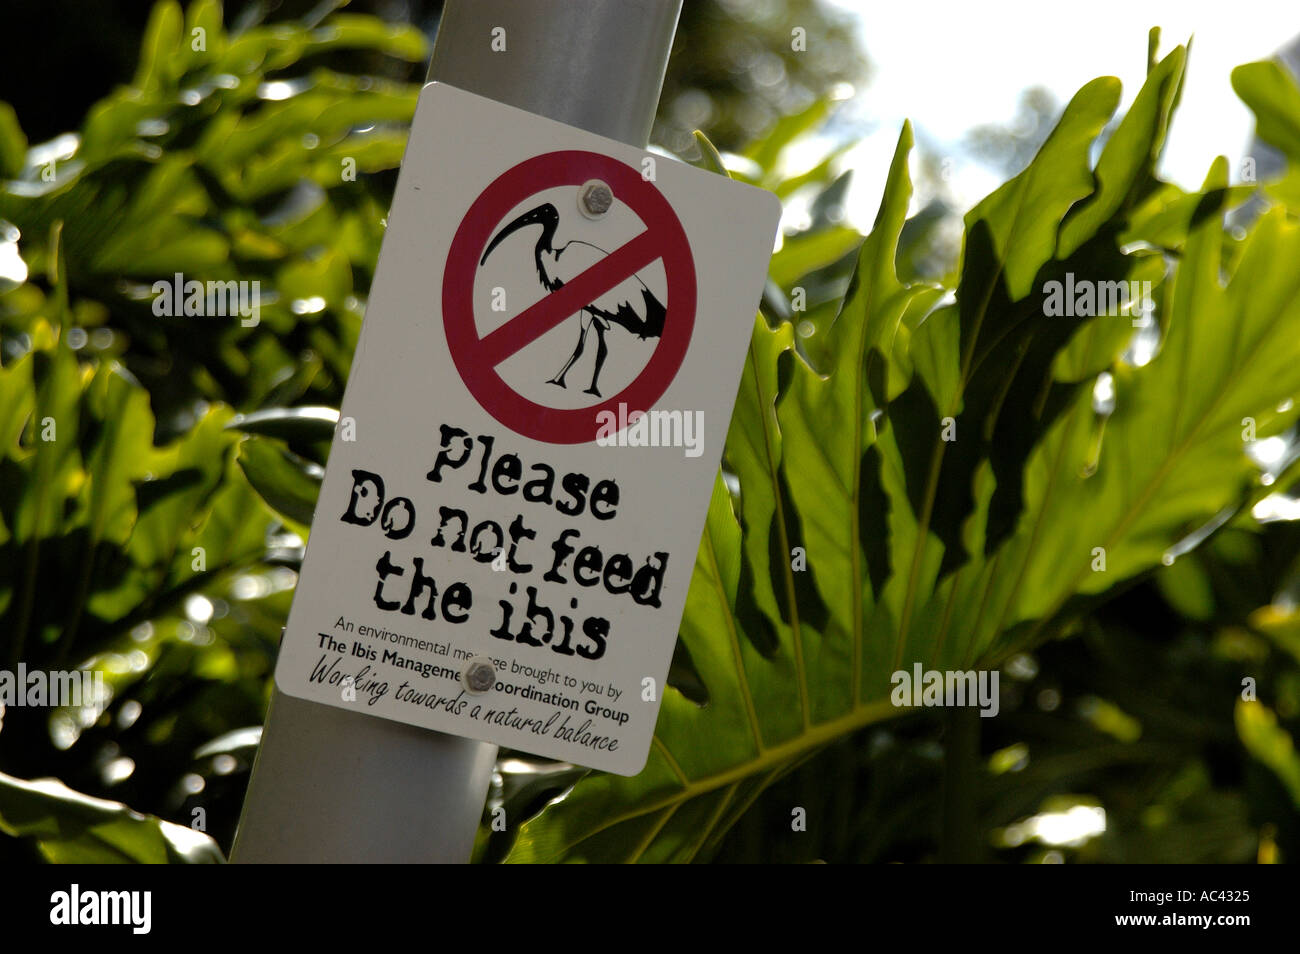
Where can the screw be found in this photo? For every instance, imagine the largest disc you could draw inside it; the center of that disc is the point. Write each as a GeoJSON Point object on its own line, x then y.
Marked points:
{"type": "Point", "coordinates": [594, 199]}
{"type": "Point", "coordinates": [480, 674]}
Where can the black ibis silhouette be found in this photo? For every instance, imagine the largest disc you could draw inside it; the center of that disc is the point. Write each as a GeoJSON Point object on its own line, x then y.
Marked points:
{"type": "Point", "coordinates": [617, 306]}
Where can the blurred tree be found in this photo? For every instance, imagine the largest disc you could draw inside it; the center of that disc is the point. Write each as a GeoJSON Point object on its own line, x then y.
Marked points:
{"type": "Point", "coordinates": [1008, 148]}
{"type": "Point", "coordinates": [739, 65]}
{"type": "Point", "coordinates": [736, 66]}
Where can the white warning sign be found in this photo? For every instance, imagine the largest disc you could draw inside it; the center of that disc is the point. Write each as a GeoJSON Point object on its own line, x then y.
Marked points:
{"type": "Point", "coordinates": [538, 402]}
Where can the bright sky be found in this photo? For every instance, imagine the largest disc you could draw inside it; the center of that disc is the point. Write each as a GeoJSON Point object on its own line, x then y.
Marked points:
{"type": "Point", "coordinates": [949, 65]}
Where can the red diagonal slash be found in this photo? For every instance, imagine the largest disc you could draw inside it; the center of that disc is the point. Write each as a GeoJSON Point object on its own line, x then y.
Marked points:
{"type": "Point", "coordinates": [536, 320]}
{"type": "Point", "coordinates": [477, 356]}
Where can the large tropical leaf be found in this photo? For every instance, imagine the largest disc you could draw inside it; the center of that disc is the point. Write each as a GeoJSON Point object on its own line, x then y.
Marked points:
{"type": "Point", "coordinates": [70, 828]}
{"type": "Point", "coordinates": [98, 526]}
{"type": "Point", "coordinates": [116, 554]}
{"type": "Point", "coordinates": [1273, 95]}
{"type": "Point", "coordinates": [934, 490]}
{"type": "Point", "coordinates": [231, 157]}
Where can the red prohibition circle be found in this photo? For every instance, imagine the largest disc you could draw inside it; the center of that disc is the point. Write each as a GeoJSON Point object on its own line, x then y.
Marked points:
{"type": "Point", "coordinates": [476, 357]}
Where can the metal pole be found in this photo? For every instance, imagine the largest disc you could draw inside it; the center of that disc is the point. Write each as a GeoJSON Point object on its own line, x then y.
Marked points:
{"type": "Point", "coordinates": [595, 64]}
{"type": "Point", "coordinates": [331, 785]}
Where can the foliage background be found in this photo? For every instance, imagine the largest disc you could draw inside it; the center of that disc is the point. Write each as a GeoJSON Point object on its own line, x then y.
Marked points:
{"type": "Point", "coordinates": [177, 435]}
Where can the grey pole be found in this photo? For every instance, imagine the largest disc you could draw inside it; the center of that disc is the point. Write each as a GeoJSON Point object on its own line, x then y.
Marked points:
{"type": "Point", "coordinates": [332, 785]}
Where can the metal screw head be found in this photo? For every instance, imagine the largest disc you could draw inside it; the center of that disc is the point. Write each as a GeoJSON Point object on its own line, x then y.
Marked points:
{"type": "Point", "coordinates": [480, 674]}
{"type": "Point", "coordinates": [594, 199]}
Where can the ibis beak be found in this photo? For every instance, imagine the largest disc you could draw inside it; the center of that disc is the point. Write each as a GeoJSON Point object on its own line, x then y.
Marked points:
{"type": "Point", "coordinates": [544, 215]}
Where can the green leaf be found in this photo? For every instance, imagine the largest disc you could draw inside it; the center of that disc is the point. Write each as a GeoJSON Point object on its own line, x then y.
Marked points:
{"type": "Point", "coordinates": [1023, 217]}
{"type": "Point", "coordinates": [13, 143]}
{"type": "Point", "coordinates": [1274, 97]}
{"type": "Point", "coordinates": [328, 276]}
{"type": "Point", "coordinates": [830, 560]}
{"type": "Point", "coordinates": [370, 33]}
{"type": "Point", "coordinates": [71, 828]}
{"type": "Point", "coordinates": [293, 424]}
{"type": "Point", "coordinates": [767, 149]}
{"type": "Point", "coordinates": [288, 484]}
{"type": "Point", "coordinates": [1004, 388]}
{"type": "Point", "coordinates": [809, 251]}
{"type": "Point", "coordinates": [712, 158]}
{"type": "Point", "coordinates": [1125, 168]}
{"type": "Point", "coordinates": [98, 526]}
{"type": "Point", "coordinates": [1171, 455]}
{"type": "Point", "coordinates": [1269, 743]}
{"type": "Point", "coordinates": [162, 37]}
{"type": "Point", "coordinates": [203, 28]}
{"type": "Point", "coordinates": [173, 496]}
